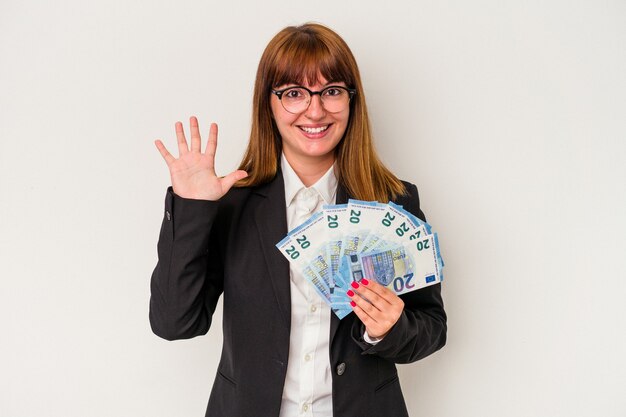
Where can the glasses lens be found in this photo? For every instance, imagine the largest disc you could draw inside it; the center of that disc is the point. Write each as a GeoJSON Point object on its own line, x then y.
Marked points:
{"type": "Point", "coordinates": [335, 99]}
{"type": "Point", "coordinates": [296, 100]}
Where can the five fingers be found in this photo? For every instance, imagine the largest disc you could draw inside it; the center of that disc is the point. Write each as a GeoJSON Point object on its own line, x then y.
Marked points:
{"type": "Point", "coordinates": [226, 182]}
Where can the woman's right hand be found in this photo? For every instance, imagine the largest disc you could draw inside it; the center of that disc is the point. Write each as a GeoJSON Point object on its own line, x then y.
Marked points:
{"type": "Point", "coordinates": [193, 173]}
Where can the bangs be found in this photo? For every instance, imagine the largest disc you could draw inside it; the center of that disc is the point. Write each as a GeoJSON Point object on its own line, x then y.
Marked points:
{"type": "Point", "coordinates": [303, 58]}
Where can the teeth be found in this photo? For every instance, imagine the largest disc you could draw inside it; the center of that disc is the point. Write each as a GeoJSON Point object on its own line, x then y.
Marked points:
{"type": "Point", "coordinates": [314, 129]}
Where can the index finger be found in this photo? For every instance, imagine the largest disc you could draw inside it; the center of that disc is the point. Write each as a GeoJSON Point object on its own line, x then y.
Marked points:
{"type": "Point", "coordinates": [383, 292]}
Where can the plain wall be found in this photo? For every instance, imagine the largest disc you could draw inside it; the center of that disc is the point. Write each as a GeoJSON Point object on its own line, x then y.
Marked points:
{"type": "Point", "coordinates": [509, 116]}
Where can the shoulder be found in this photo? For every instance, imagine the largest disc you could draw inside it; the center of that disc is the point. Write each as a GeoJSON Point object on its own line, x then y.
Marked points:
{"type": "Point", "coordinates": [411, 201]}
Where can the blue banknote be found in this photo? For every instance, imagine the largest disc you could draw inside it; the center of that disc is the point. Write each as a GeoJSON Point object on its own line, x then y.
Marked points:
{"type": "Point", "coordinates": [348, 242]}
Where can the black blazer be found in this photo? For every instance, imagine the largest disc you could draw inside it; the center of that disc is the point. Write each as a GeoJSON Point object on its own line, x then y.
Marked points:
{"type": "Point", "coordinates": [208, 248]}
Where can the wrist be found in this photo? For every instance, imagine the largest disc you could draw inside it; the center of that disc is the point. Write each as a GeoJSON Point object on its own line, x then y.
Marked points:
{"type": "Point", "coordinates": [372, 340]}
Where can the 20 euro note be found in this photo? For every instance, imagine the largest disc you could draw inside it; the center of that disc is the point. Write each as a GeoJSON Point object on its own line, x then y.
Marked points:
{"type": "Point", "coordinates": [338, 301]}
{"type": "Point", "coordinates": [400, 224]}
{"type": "Point", "coordinates": [401, 268]}
{"type": "Point", "coordinates": [305, 248]}
{"type": "Point", "coordinates": [399, 231]}
{"type": "Point", "coordinates": [335, 218]}
{"type": "Point", "coordinates": [335, 297]}
{"type": "Point", "coordinates": [363, 218]}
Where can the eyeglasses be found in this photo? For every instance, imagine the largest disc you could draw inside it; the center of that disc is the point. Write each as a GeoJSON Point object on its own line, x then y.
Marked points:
{"type": "Point", "coordinates": [297, 99]}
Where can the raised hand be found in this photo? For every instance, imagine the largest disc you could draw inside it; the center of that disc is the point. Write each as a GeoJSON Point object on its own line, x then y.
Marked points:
{"type": "Point", "coordinates": [377, 306]}
{"type": "Point", "coordinates": [193, 173]}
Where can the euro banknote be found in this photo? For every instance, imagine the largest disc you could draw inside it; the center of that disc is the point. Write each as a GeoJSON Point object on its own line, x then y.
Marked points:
{"type": "Point", "coordinates": [363, 239]}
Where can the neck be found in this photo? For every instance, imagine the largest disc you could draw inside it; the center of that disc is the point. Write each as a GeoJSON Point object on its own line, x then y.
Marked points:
{"type": "Point", "coordinates": [310, 170]}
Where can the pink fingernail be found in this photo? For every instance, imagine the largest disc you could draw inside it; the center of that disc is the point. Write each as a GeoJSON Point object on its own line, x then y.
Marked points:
{"type": "Point", "coordinates": [352, 303]}
{"type": "Point", "coordinates": [355, 284]}
{"type": "Point", "coordinates": [350, 293]}
{"type": "Point", "coordinates": [364, 281]}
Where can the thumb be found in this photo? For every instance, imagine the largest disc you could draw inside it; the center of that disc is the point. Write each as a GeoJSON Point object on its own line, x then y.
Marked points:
{"type": "Point", "coordinates": [229, 180]}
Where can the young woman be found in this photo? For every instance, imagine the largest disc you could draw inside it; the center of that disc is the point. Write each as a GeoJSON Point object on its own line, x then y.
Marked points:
{"type": "Point", "coordinates": [285, 353]}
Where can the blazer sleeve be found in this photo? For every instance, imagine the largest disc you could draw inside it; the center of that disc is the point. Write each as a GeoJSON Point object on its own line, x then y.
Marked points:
{"type": "Point", "coordinates": [188, 278]}
{"type": "Point", "coordinates": [421, 328]}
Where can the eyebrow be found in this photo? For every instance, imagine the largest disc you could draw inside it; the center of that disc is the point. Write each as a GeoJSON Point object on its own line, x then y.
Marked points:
{"type": "Point", "coordinates": [328, 84]}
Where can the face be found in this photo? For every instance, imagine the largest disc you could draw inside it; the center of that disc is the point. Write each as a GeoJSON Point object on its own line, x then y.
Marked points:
{"type": "Point", "coordinates": [311, 136]}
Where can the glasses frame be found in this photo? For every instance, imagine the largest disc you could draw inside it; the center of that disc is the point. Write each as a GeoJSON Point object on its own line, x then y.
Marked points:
{"type": "Point", "coordinates": [279, 94]}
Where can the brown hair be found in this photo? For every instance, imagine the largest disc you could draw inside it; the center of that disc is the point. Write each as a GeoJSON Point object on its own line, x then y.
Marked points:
{"type": "Point", "coordinates": [299, 54]}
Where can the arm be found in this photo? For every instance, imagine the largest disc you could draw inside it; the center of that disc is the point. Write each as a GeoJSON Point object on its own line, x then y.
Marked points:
{"type": "Point", "coordinates": [187, 280]}
{"type": "Point", "coordinates": [421, 327]}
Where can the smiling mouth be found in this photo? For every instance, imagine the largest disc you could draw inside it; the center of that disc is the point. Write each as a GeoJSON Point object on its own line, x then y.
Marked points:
{"type": "Point", "coordinates": [314, 130]}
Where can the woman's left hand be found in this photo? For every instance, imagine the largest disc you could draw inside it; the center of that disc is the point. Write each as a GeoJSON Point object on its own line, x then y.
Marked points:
{"type": "Point", "coordinates": [378, 307]}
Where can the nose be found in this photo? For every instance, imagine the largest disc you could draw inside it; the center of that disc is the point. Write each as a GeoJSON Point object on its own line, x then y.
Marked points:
{"type": "Point", "coordinates": [316, 109]}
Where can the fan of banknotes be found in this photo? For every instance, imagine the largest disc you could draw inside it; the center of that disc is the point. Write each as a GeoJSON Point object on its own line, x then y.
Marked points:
{"type": "Point", "coordinates": [362, 239]}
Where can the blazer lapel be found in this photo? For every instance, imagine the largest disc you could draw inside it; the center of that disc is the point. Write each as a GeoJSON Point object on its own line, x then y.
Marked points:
{"type": "Point", "coordinates": [271, 221]}
{"type": "Point", "coordinates": [342, 195]}
{"type": "Point", "coordinates": [342, 198]}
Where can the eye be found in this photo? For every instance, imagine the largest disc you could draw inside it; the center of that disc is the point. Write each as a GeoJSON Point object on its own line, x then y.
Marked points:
{"type": "Point", "coordinates": [294, 93]}
{"type": "Point", "coordinates": [333, 92]}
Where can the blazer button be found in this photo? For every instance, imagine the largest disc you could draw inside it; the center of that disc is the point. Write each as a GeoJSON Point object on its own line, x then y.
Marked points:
{"type": "Point", "coordinates": [168, 215]}
{"type": "Point", "coordinates": [341, 368]}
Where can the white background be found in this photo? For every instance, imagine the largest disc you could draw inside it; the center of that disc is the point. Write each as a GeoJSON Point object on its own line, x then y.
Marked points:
{"type": "Point", "coordinates": [509, 116]}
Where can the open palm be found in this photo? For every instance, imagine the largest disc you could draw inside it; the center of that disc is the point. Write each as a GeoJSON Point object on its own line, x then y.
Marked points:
{"type": "Point", "coordinates": [193, 172]}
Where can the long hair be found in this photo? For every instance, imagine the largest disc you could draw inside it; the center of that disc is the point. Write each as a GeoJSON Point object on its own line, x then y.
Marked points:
{"type": "Point", "coordinates": [299, 54]}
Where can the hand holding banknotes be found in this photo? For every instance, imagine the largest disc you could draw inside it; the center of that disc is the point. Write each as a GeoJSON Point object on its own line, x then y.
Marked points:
{"type": "Point", "coordinates": [377, 307]}
{"type": "Point", "coordinates": [193, 173]}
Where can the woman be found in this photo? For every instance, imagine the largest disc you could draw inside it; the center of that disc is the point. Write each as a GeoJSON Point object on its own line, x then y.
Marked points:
{"type": "Point", "coordinates": [285, 353]}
